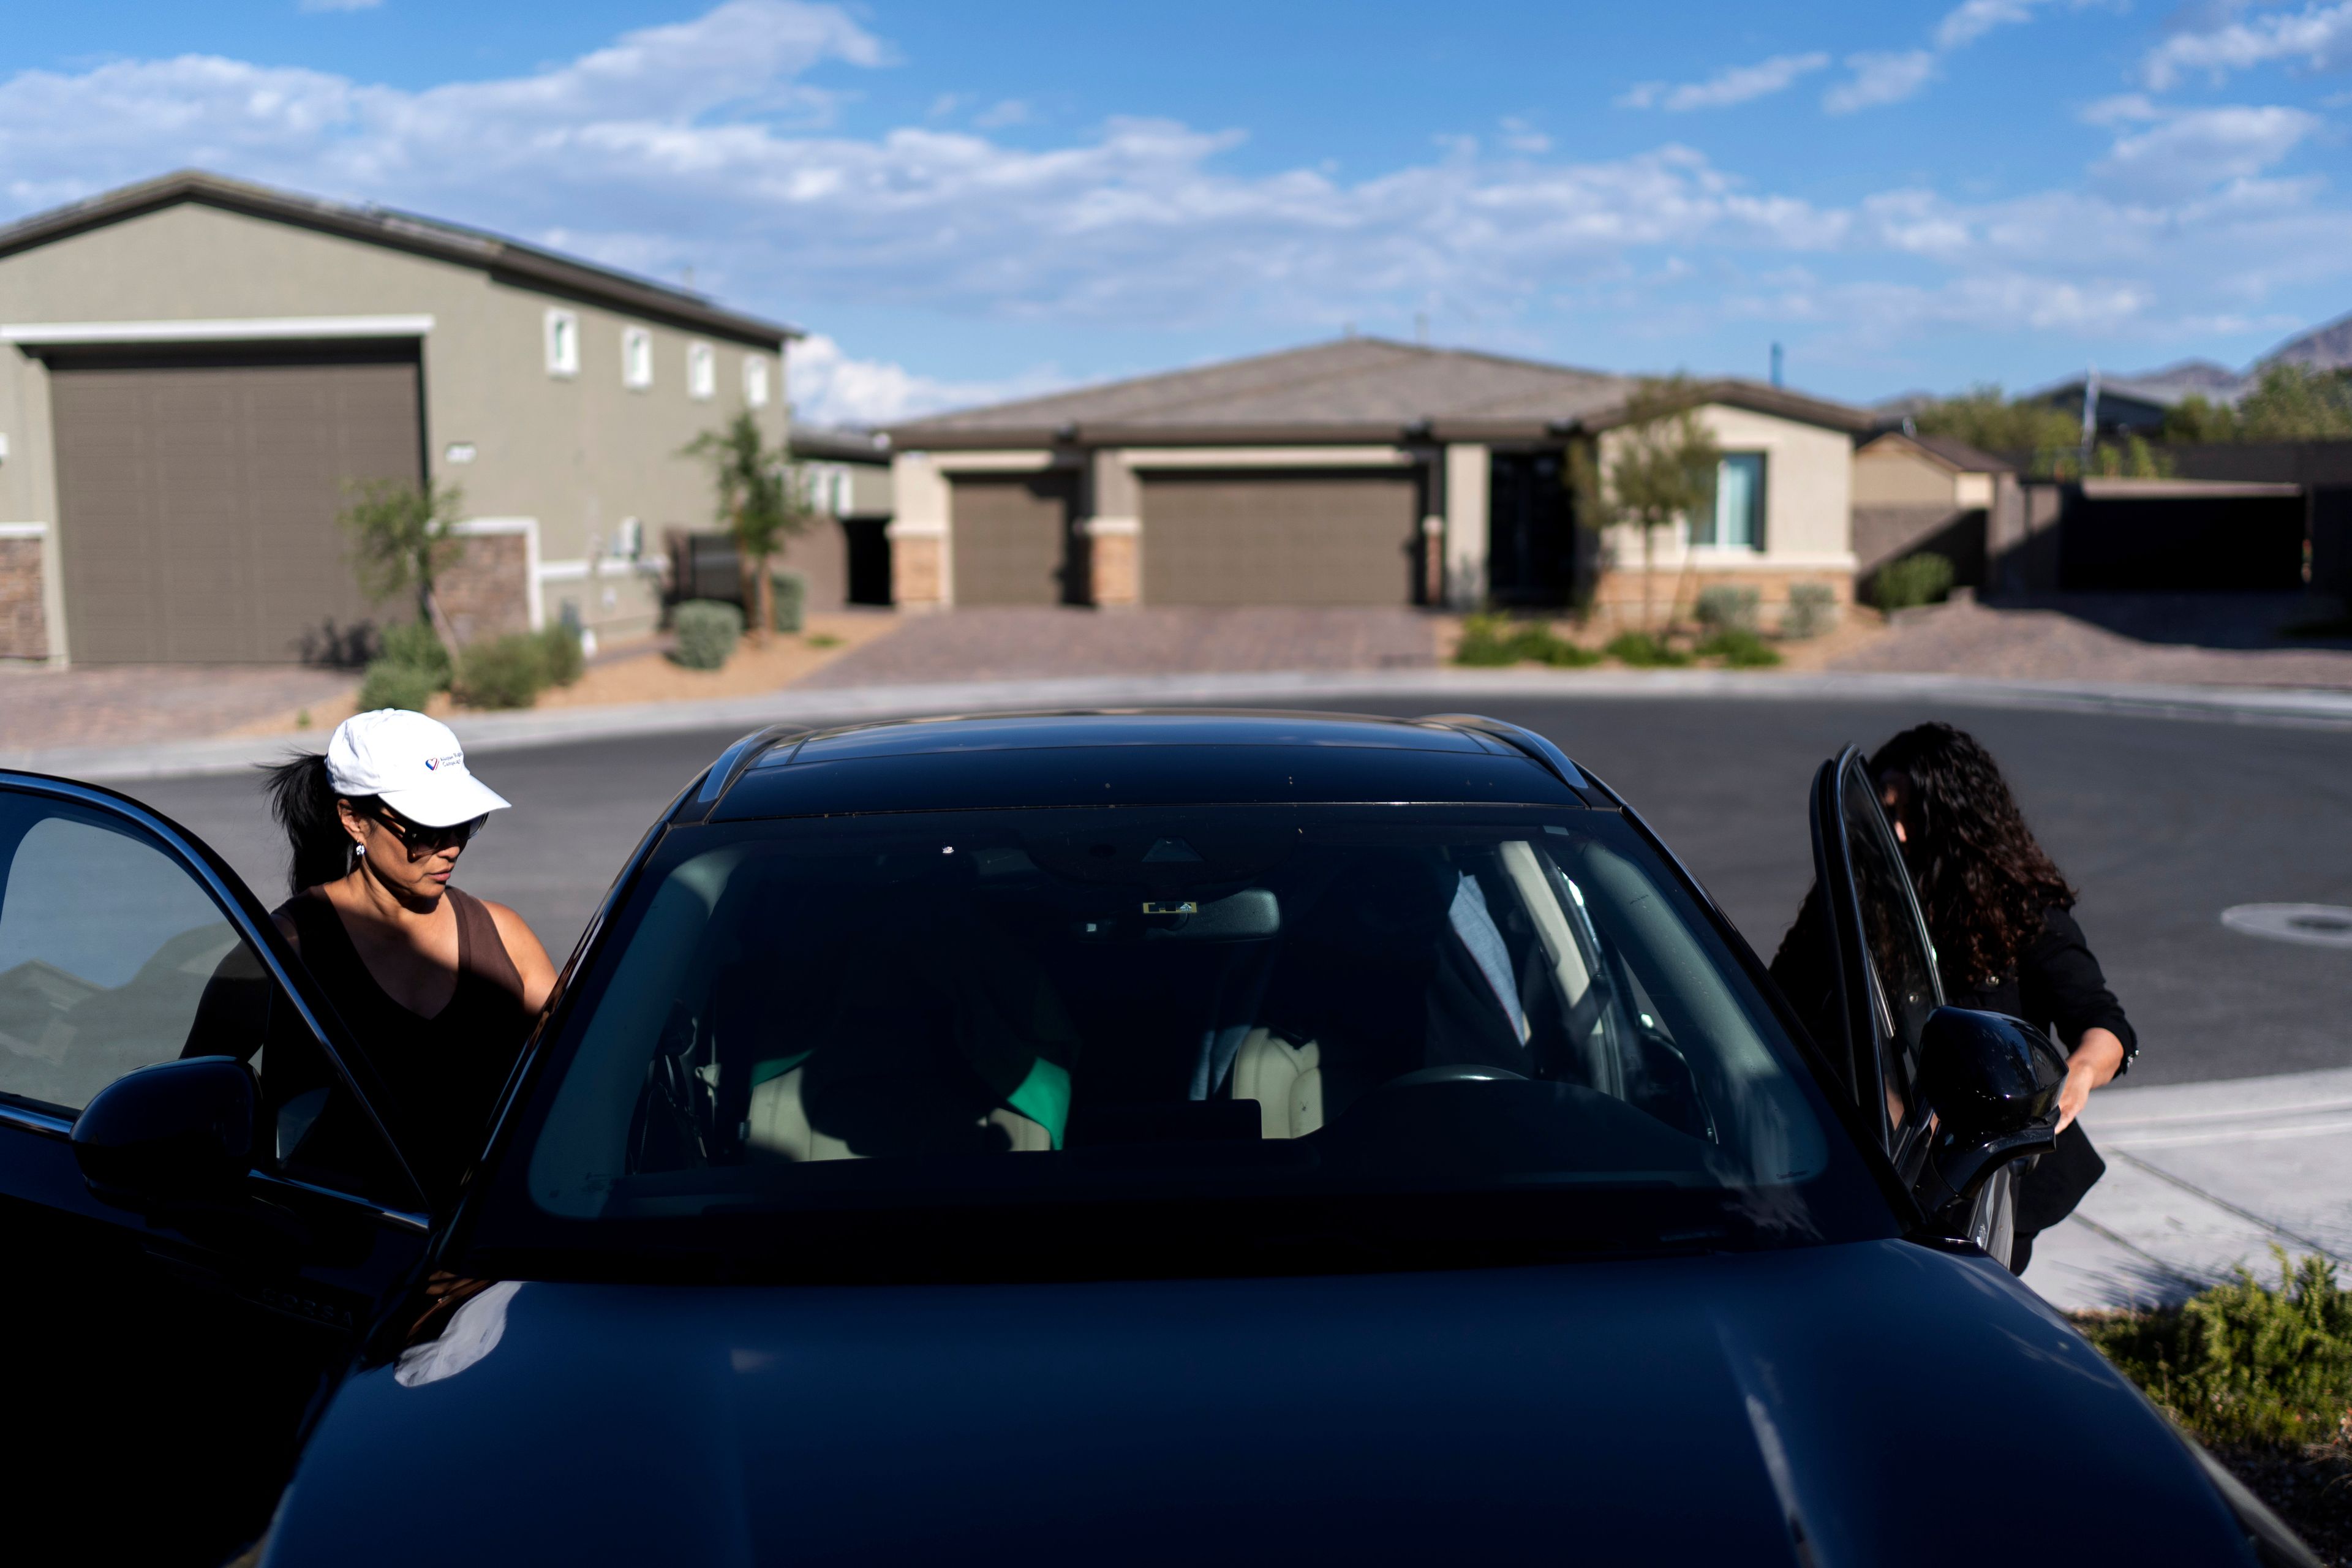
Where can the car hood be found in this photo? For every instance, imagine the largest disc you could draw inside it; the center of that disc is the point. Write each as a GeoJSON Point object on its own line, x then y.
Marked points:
{"type": "Point", "coordinates": [1875, 1403]}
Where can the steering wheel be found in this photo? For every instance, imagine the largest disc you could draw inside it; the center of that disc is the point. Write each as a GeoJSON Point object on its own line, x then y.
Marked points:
{"type": "Point", "coordinates": [1454, 1072]}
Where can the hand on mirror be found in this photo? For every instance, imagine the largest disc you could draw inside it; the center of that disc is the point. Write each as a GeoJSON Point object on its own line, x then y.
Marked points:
{"type": "Point", "coordinates": [2094, 1062]}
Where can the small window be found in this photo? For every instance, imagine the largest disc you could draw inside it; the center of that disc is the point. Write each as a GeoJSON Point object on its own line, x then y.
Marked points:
{"type": "Point", "coordinates": [562, 343]}
{"type": "Point", "coordinates": [637, 358]}
{"type": "Point", "coordinates": [629, 538]}
{"type": "Point", "coordinates": [701, 370]}
{"type": "Point", "coordinates": [1738, 520]}
{"type": "Point", "coordinates": [755, 381]}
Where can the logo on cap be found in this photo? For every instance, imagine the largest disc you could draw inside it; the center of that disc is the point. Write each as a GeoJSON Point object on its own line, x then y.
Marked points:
{"type": "Point", "coordinates": [431, 762]}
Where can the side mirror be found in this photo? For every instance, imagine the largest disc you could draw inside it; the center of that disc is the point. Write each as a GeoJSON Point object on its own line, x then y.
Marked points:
{"type": "Point", "coordinates": [1992, 1082]}
{"type": "Point", "coordinates": [176, 1130]}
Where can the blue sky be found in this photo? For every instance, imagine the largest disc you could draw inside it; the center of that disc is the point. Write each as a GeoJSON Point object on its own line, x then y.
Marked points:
{"type": "Point", "coordinates": [962, 202]}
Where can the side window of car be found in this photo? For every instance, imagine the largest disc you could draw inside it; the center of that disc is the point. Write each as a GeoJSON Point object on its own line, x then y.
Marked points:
{"type": "Point", "coordinates": [107, 948]}
{"type": "Point", "coordinates": [114, 956]}
{"type": "Point", "coordinates": [1903, 969]}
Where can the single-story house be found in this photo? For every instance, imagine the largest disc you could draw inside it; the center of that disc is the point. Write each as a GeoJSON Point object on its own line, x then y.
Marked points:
{"type": "Point", "coordinates": [1931, 493]}
{"type": "Point", "coordinates": [194, 371]}
{"type": "Point", "coordinates": [1359, 471]}
{"type": "Point", "coordinates": [2136, 404]}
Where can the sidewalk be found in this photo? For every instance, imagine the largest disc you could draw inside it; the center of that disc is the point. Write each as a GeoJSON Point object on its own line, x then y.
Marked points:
{"type": "Point", "coordinates": [2201, 1177]}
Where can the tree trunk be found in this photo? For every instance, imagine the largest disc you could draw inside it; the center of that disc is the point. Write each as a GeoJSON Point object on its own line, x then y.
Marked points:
{"type": "Point", "coordinates": [430, 602]}
{"type": "Point", "coordinates": [1649, 552]}
{"type": "Point", "coordinates": [764, 595]}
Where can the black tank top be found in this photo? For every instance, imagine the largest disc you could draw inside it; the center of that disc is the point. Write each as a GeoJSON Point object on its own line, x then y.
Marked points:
{"type": "Point", "coordinates": [444, 1073]}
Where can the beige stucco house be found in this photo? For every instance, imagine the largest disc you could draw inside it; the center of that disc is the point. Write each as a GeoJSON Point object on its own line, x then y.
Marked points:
{"type": "Point", "coordinates": [194, 370]}
{"type": "Point", "coordinates": [1914, 493]}
{"type": "Point", "coordinates": [1360, 472]}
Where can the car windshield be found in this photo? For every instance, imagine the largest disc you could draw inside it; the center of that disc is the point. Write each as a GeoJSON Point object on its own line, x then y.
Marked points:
{"type": "Point", "coordinates": [1016, 1012]}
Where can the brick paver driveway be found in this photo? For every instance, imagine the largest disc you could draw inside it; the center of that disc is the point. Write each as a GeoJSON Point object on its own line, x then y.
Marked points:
{"type": "Point", "coordinates": [126, 704]}
{"type": "Point", "coordinates": [1012, 644]}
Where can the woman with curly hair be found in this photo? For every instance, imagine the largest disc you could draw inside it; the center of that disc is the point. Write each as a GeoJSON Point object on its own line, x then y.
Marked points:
{"type": "Point", "coordinates": [1999, 915]}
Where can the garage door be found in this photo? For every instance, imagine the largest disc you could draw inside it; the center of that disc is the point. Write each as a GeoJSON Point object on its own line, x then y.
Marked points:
{"type": "Point", "coordinates": [1256, 538]}
{"type": "Point", "coordinates": [197, 500]}
{"type": "Point", "coordinates": [1012, 537]}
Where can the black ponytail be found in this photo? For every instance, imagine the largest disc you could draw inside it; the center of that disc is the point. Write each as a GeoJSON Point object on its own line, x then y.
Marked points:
{"type": "Point", "coordinates": [303, 801]}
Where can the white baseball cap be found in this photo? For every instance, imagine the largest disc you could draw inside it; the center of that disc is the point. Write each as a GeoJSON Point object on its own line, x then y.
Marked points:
{"type": "Point", "coordinates": [412, 763]}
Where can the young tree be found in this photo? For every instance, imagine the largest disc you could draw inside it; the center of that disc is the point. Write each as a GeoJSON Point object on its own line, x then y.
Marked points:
{"type": "Point", "coordinates": [759, 504]}
{"type": "Point", "coordinates": [402, 538]}
{"type": "Point", "coordinates": [1662, 468]}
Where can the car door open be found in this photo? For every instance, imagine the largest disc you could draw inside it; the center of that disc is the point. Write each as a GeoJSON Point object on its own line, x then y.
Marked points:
{"type": "Point", "coordinates": [179, 1328]}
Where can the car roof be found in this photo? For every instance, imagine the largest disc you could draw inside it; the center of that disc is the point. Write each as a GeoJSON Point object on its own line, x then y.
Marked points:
{"type": "Point", "coordinates": [1132, 757]}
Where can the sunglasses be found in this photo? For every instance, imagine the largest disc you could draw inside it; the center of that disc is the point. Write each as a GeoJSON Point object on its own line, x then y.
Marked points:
{"type": "Point", "coordinates": [417, 838]}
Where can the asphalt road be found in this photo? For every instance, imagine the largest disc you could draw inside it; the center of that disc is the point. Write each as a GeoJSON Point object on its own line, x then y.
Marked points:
{"type": "Point", "coordinates": [2162, 823]}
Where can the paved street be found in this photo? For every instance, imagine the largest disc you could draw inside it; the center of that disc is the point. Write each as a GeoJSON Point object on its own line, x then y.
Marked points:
{"type": "Point", "coordinates": [2162, 823]}
{"type": "Point", "coordinates": [2231, 1135]}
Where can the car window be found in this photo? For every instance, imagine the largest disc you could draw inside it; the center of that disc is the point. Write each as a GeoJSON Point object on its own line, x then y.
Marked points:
{"type": "Point", "coordinates": [1048, 1007]}
{"type": "Point", "coordinates": [106, 947]}
{"type": "Point", "coordinates": [1902, 980]}
{"type": "Point", "coordinates": [114, 956]}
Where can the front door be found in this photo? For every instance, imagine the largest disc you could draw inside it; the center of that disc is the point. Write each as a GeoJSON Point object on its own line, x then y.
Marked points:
{"type": "Point", "coordinates": [165, 1357]}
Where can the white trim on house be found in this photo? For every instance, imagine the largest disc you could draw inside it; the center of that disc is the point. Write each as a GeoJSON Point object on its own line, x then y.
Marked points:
{"type": "Point", "coordinates": [528, 528]}
{"type": "Point", "coordinates": [702, 371]}
{"type": "Point", "coordinates": [988, 462]}
{"type": "Point", "coordinates": [1268, 457]}
{"type": "Point", "coordinates": [213, 330]}
{"type": "Point", "coordinates": [636, 359]}
{"type": "Point", "coordinates": [560, 332]}
{"type": "Point", "coordinates": [755, 380]}
{"type": "Point", "coordinates": [23, 531]}
{"type": "Point", "coordinates": [1111, 526]}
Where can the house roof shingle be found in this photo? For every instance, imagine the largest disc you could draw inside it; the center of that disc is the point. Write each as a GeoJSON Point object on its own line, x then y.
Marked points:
{"type": "Point", "coordinates": [1357, 389]}
{"type": "Point", "coordinates": [508, 259]}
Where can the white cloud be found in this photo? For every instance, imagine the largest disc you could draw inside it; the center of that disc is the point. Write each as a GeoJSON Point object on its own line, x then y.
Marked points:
{"type": "Point", "coordinates": [1010, 111]}
{"type": "Point", "coordinates": [707, 143]}
{"type": "Point", "coordinates": [1880, 79]}
{"type": "Point", "coordinates": [2121, 109]}
{"type": "Point", "coordinates": [1519, 136]}
{"type": "Point", "coordinates": [2318, 38]}
{"type": "Point", "coordinates": [1975, 18]}
{"type": "Point", "coordinates": [2201, 148]}
{"type": "Point", "coordinates": [338, 5]}
{"type": "Point", "coordinates": [829, 387]}
{"type": "Point", "coordinates": [1734, 84]}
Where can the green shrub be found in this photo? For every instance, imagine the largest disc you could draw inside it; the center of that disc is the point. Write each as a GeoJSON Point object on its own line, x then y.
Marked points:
{"type": "Point", "coordinates": [822, 639]}
{"type": "Point", "coordinates": [502, 672]}
{"type": "Point", "coordinates": [391, 684]}
{"type": "Point", "coordinates": [417, 646]}
{"type": "Point", "coordinates": [1812, 610]}
{"type": "Point", "coordinates": [708, 630]}
{"type": "Point", "coordinates": [1740, 649]}
{"type": "Point", "coordinates": [2242, 1365]}
{"type": "Point", "coordinates": [1497, 639]}
{"type": "Point", "coordinates": [1920, 579]}
{"type": "Point", "coordinates": [1727, 606]}
{"type": "Point", "coordinates": [792, 600]}
{"type": "Point", "coordinates": [1644, 651]}
{"type": "Point", "coordinates": [559, 652]}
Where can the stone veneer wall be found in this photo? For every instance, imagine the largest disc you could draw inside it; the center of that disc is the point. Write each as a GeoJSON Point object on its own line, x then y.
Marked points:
{"type": "Point", "coordinates": [915, 571]}
{"type": "Point", "coordinates": [487, 592]}
{"type": "Point", "coordinates": [1114, 569]}
{"type": "Point", "coordinates": [24, 623]}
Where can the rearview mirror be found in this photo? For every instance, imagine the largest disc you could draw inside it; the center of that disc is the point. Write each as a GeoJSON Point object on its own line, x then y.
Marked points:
{"type": "Point", "coordinates": [176, 1130]}
{"type": "Point", "coordinates": [1992, 1082]}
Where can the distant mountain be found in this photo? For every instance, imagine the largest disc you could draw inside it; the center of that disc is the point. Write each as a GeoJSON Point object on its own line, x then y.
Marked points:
{"type": "Point", "coordinates": [2190, 375]}
{"type": "Point", "coordinates": [2322, 348]}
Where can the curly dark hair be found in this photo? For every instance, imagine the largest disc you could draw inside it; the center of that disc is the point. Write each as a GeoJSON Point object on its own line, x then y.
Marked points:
{"type": "Point", "coordinates": [1984, 885]}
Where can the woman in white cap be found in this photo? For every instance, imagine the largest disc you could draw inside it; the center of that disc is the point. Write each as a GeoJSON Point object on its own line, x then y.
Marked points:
{"type": "Point", "coordinates": [438, 987]}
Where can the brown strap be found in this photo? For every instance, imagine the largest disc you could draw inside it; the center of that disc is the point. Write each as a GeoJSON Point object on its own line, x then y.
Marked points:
{"type": "Point", "coordinates": [479, 949]}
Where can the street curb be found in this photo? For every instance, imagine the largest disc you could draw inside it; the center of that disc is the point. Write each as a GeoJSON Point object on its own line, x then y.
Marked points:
{"type": "Point", "coordinates": [2267, 706]}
